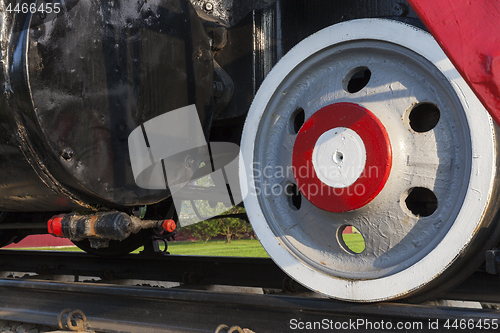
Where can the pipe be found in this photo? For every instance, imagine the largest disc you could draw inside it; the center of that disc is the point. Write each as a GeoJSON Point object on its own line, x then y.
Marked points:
{"type": "Point", "coordinates": [106, 225]}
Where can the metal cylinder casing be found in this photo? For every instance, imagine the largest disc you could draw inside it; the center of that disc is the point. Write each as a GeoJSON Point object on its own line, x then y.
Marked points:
{"type": "Point", "coordinates": [75, 86]}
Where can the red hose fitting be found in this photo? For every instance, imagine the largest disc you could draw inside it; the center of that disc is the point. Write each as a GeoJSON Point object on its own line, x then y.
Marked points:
{"type": "Point", "coordinates": [169, 225]}
{"type": "Point", "coordinates": [54, 226]}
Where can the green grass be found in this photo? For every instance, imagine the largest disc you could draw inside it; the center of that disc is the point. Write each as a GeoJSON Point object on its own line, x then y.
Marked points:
{"type": "Point", "coordinates": [354, 242]}
{"type": "Point", "coordinates": [237, 248]}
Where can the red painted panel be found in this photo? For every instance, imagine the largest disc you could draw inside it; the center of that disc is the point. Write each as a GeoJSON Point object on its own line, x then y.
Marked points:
{"type": "Point", "coordinates": [469, 33]}
{"type": "Point", "coordinates": [41, 241]}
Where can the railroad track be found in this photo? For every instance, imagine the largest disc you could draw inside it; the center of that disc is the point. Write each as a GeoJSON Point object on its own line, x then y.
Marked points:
{"type": "Point", "coordinates": [117, 308]}
{"type": "Point", "coordinates": [111, 308]}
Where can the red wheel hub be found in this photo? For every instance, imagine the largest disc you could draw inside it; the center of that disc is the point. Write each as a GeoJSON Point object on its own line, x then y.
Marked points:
{"type": "Point", "coordinates": [342, 157]}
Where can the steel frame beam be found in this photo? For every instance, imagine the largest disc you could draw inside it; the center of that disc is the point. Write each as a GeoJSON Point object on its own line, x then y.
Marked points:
{"type": "Point", "coordinates": [250, 272]}
{"type": "Point", "coordinates": [198, 271]}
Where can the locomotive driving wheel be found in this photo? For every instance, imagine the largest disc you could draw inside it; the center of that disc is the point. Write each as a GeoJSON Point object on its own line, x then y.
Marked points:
{"type": "Point", "coordinates": [367, 124]}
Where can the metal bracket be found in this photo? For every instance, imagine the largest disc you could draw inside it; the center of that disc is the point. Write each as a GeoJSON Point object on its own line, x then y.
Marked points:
{"type": "Point", "coordinates": [233, 329]}
{"type": "Point", "coordinates": [227, 12]}
{"type": "Point", "coordinates": [75, 321]}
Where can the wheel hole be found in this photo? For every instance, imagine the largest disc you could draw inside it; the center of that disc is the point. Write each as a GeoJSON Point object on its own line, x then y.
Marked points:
{"type": "Point", "coordinates": [421, 201]}
{"type": "Point", "coordinates": [424, 117]}
{"type": "Point", "coordinates": [294, 196]}
{"type": "Point", "coordinates": [298, 119]}
{"type": "Point", "coordinates": [351, 239]}
{"type": "Point", "coordinates": [357, 79]}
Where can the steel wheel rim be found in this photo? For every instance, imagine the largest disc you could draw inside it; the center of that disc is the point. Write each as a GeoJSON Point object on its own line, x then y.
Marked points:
{"type": "Point", "coordinates": [288, 249]}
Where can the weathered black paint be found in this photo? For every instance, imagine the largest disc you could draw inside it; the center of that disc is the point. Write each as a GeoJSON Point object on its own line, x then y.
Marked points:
{"type": "Point", "coordinates": [82, 82]}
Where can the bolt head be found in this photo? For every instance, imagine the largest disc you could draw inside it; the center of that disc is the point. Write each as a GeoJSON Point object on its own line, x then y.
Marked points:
{"type": "Point", "coordinates": [67, 153]}
{"type": "Point", "coordinates": [209, 6]}
{"type": "Point", "coordinates": [400, 9]}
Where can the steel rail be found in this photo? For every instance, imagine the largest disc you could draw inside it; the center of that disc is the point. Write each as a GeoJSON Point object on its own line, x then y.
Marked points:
{"type": "Point", "coordinates": [198, 270]}
{"type": "Point", "coordinates": [111, 308]}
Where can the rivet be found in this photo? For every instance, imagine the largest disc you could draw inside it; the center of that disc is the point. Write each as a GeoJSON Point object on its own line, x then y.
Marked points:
{"type": "Point", "coordinates": [400, 9]}
{"type": "Point", "coordinates": [209, 6]}
{"type": "Point", "coordinates": [67, 153]}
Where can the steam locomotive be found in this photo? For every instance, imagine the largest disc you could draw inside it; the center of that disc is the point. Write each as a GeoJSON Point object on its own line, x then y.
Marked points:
{"type": "Point", "coordinates": [317, 116]}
